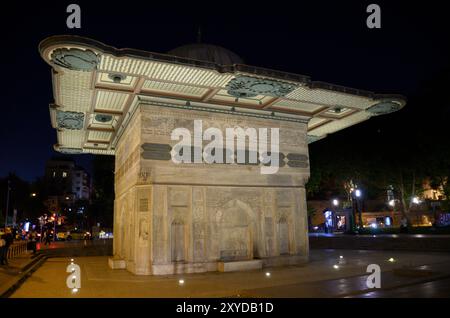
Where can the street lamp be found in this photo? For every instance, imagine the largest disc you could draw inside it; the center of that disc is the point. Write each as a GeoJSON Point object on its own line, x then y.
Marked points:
{"type": "Point", "coordinates": [335, 202]}
{"type": "Point", "coordinates": [356, 194]}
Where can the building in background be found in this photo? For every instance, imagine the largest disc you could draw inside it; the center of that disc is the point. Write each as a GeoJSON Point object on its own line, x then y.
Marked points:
{"type": "Point", "coordinates": [58, 176]}
{"type": "Point", "coordinates": [433, 192]}
{"type": "Point", "coordinates": [81, 184]}
{"type": "Point", "coordinates": [66, 184]}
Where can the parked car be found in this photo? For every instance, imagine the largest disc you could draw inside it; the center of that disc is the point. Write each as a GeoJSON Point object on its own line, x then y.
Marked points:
{"type": "Point", "coordinates": [79, 235]}
{"type": "Point", "coordinates": [63, 236]}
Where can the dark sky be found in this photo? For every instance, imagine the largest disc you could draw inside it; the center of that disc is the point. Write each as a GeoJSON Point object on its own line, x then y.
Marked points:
{"type": "Point", "coordinates": [327, 40]}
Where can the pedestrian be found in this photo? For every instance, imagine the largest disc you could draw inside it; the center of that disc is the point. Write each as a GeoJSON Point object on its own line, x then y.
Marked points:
{"type": "Point", "coordinates": [2, 246]}
{"type": "Point", "coordinates": [9, 239]}
{"type": "Point", "coordinates": [31, 245]}
{"type": "Point", "coordinates": [47, 237]}
{"type": "Point", "coordinates": [404, 225]}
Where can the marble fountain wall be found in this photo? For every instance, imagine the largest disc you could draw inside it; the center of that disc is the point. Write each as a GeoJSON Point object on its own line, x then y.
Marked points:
{"type": "Point", "coordinates": [180, 218]}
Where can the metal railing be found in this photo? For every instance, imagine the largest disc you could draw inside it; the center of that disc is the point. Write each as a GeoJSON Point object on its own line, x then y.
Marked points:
{"type": "Point", "coordinates": [17, 248]}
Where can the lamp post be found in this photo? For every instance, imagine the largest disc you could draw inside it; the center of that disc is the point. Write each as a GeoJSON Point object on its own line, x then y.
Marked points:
{"type": "Point", "coordinates": [336, 206]}
{"type": "Point", "coordinates": [392, 204]}
{"type": "Point", "coordinates": [355, 194]}
{"type": "Point", "coordinates": [7, 202]}
{"type": "Point", "coordinates": [54, 226]}
{"type": "Point", "coordinates": [41, 223]}
{"type": "Point", "coordinates": [358, 195]}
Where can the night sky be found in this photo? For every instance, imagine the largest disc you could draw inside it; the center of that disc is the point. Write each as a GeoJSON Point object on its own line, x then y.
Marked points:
{"type": "Point", "coordinates": [327, 40]}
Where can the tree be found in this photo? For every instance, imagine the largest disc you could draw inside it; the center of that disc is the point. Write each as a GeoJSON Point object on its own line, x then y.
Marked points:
{"type": "Point", "coordinates": [102, 207]}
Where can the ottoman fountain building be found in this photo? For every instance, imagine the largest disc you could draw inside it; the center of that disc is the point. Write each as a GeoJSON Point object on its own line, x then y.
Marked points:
{"type": "Point", "coordinates": [172, 217]}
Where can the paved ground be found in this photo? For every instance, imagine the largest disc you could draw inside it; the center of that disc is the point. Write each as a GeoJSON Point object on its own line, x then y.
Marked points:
{"type": "Point", "coordinates": [398, 242]}
{"type": "Point", "coordinates": [18, 267]}
{"type": "Point", "coordinates": [433, 289]}
{"type": "Point", "coordinates": [319, 234]}
{"type": "Point", "coordinates": [13, 269]}
{"type": "Point", "coordinates": [318, 278]}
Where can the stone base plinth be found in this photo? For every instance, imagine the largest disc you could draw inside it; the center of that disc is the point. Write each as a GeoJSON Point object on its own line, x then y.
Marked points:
{"type": "Point", "coordinates": [239, 266]}
{"type": "Point", "coordinates": [181, 268]}
{"type": "Point", "coordinates": [284, 260]}
{"type": "Point", "coordinates": [116, 263]}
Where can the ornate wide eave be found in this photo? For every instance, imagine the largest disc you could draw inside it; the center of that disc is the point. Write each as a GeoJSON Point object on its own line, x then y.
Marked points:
{"type": "Point", "coordinates": [97, 88]}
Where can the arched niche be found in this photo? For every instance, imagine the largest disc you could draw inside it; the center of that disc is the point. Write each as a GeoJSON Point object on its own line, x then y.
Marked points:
{"type": "Point", "coordinates": [236, 226]}
{"type": "Point", "coordinates": [283, 236]}
{"type": "Point", "coordinates": [177, 241]}
{"type": "Point", "coordinates": [122, 230]}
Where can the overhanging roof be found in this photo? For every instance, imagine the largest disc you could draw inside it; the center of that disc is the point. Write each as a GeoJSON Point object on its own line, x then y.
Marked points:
{"type": "Point", "coordinates": [96, 88]}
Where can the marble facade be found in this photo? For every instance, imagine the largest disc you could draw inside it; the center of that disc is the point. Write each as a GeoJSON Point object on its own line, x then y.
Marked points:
{"type": "Point", "coordinates": [195, 217]}
{"type": "Point", "coordinates": [181, 218]}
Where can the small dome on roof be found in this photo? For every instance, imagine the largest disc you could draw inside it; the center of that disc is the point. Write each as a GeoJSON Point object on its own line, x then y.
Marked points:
{"type": "Point", "coordinates": [207, 52]}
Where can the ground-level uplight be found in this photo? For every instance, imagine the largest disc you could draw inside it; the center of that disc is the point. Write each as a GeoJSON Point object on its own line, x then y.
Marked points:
{"type": "Point", "coordinates": [268, 274]}
{"type": "Point", "coordinates": [391, 260]}
{"type": "Point", "coordinates": [74, 290]}
{"type": "Point", "coordinates": [181, 281]}
{"type": "Point", "coordinates": [341, 257]}
{"type": "Point", "coordinates": [336, 266]}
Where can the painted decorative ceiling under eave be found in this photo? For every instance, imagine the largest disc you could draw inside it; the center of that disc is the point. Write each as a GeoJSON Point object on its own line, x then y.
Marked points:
{"type": "Point", "coordinates": [96, 86]}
